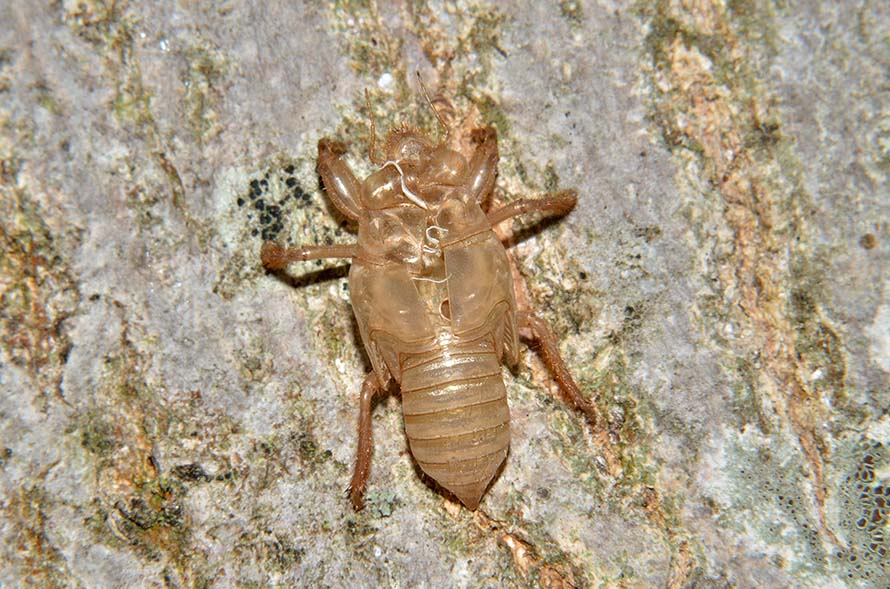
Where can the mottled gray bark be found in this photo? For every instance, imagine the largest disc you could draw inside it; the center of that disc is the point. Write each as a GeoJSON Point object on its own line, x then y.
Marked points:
{"type": "Point", "coordinates": [173, 416]}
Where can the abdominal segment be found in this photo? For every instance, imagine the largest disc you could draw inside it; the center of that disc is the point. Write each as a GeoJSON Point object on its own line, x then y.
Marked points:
{"type": "Point", "coordinates": [457, 419]}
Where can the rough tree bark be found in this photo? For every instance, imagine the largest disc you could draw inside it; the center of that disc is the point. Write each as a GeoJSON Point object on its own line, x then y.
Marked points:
{"type": "Point", "coordinates": [173, 416]}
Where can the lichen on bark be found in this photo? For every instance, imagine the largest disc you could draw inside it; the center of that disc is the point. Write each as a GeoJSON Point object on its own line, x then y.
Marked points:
{"type": "Point", "coordinates": [173, 416]}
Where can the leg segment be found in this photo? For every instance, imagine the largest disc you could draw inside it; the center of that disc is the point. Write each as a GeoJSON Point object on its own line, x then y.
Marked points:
{"type": "Point", "coordinates": [483, 167]}
{"type": "Point", "coordinates": [558, 203]}
{"type": "Point", "coordinates": [275, 257]}
{"type": "Point", "coordinates": [370, 388]}
{"type": "Point", "coordinates": [549, 351]}
{"type": "Point", "coordinates": [547, 347]}
{"type": "Point", "coordinates": [342, 186]}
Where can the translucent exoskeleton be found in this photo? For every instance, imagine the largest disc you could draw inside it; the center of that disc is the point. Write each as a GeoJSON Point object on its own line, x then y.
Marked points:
{"type": "Point", "coordinates": [433, 294]}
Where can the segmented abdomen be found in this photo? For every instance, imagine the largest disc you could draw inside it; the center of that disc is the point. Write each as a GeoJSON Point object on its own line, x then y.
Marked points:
{"type": "Point", "coordinates": [456, 417]}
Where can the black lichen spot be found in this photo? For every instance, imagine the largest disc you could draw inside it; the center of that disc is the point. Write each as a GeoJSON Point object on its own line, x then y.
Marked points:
{"type": "Point", "coordinates": [190, 472]}
{"type": "Point", "coordinates": [270, 197]}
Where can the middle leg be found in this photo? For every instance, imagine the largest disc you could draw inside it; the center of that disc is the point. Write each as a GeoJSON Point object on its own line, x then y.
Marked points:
{"type": "Point", "coordinates": [276, 257]}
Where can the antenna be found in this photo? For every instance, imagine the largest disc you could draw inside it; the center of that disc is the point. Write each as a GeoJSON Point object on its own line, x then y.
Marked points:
{"type": "Point", "coordinates": [371, 155]}
{"type": "Point", "coordinates": [430, 102]}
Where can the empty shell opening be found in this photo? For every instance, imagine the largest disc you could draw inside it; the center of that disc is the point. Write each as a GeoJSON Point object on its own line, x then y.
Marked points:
{"type": "Point", "coordinates": [445, 309]}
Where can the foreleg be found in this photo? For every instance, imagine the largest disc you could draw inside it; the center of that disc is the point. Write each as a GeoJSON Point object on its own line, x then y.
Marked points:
{"type": "Point", "coordinates": [343, 188]}
{"type": "Point", "coordinates": [370, 388]}
{"type": "Point", "coordinates": [483, 167]}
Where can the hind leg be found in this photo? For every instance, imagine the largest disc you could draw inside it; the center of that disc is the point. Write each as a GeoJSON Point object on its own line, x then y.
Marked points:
{"type": "Point", "coordinates": [536, 330]}
{"type": "Point", "coordinates": [370, 389]}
